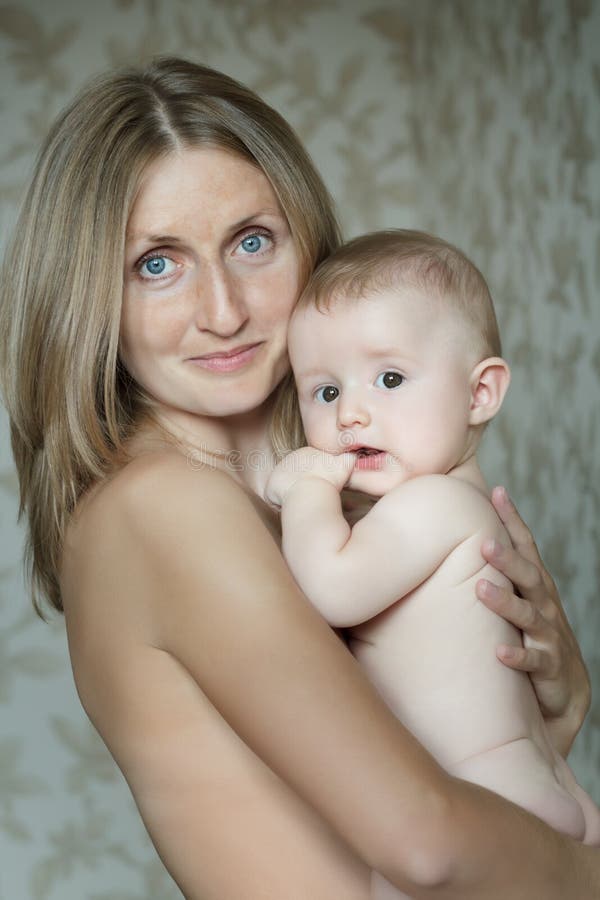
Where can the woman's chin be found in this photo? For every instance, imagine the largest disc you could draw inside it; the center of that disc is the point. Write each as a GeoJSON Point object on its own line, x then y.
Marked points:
{"type": "Point", "coordinates": [241, 402]}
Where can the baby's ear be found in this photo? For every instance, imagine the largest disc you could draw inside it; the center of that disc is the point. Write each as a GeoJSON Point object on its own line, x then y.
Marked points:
{"type": "Point", "coordinates": [489, 383]}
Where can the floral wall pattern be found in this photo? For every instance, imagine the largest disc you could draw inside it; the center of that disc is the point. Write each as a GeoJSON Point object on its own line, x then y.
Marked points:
{"type": "Point", "coordinates": [478, 121]}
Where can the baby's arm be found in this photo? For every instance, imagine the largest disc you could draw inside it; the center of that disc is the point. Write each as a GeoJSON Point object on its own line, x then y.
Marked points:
{"type": "Point", "coordinates": [352, 575]}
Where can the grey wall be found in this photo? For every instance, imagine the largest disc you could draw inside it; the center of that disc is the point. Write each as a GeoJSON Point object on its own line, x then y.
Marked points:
{"type": "Point", "coordinates": [478, 121]}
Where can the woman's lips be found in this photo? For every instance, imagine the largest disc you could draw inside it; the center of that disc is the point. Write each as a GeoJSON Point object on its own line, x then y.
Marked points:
{"type": "Point", "coordinates": [228, 361]}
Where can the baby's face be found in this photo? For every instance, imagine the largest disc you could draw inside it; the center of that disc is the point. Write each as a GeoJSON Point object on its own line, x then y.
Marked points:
{"type": "Point", "coordinates": [388, 378]}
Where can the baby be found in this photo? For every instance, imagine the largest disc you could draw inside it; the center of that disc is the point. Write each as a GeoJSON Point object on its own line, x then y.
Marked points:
{"type": "Point", "coordinates": [396, 356]}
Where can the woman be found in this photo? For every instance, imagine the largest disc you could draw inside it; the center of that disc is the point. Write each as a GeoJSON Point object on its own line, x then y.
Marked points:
{"type": "Point", "coordinates": [170, 224]}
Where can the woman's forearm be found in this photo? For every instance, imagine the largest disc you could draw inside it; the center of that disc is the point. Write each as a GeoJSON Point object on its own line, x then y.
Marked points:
{"type": "Point", "coordinates": [489, 848]}
{"type": "Point", "coordinates": [280, 678]}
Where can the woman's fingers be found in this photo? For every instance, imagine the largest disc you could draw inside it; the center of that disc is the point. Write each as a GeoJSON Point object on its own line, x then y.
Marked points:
{"type": "Point", "coordinates": [521, 613]}
{"type": "Point", "coordinates": [526, 659]}
{"type": "Point", "coordinates": [550, 653]}
{"type": "Point", "coordinates": [521, 537]}
{"type": "Point", "coordinates": [523, 574]}
{"type": "Point", "coordinates": [520, 534]}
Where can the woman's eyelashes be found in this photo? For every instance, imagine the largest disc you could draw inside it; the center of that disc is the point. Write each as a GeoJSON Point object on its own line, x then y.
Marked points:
{"type": "Point", "coordinates": [156, 266]}
{"type": "Point", "coordinates": [255, 243]}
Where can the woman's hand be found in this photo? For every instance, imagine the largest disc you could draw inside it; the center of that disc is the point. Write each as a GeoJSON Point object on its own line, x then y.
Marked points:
{"type": "Point", "coordinates": [550, 652]}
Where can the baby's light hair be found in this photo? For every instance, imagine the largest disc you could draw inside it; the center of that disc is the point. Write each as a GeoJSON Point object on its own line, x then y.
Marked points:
{"type": "Point", "coordinates": [397, 258]}
{"type": "Point", "coordinates": [390, 260]}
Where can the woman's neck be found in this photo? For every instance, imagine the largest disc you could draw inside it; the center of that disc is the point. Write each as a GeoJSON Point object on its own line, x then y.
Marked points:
{"type": "Point", "coordinates": [237, 444]}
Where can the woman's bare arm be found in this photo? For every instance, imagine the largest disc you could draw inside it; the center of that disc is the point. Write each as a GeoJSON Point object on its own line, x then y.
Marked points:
{"type": "Point", "coordinates": [220, 603]}
{"type": "Point", "coordinates": [224, 824]}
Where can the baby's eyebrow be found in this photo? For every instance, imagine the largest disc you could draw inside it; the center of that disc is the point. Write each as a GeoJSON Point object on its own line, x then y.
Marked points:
{"type": "Point", "coordinates": [382, 351]}
{"type": "Point", "coordinates": [310, 373]}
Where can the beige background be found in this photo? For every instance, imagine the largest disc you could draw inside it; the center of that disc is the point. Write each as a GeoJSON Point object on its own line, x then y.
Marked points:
{"type": "Point", "coordinates": [479, 121]}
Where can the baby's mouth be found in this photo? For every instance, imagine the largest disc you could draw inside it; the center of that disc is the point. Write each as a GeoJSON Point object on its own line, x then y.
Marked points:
{"type": "Point", "coordinates": [362, 450]}
{"type": "Point", "coordinates": [368, 457]}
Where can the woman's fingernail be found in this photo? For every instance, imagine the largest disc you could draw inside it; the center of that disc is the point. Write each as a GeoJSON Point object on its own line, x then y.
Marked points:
{"type": "Point", "coordinates": [506, 651]}
{"type": "Point", "coordinates": [501, 494]}
{"type": "Point", "coordinates": [488, 589]}
{"type": "Point", "coordinates": [492, 546]}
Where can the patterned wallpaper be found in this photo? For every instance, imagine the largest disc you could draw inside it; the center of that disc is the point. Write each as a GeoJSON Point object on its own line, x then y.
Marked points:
{"type": "Point", "coordinates": [478, 121]}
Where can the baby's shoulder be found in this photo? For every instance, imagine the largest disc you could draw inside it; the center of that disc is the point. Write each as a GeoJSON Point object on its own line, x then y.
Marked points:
{"type": "Point", "coordinates": [443, 498]}
{"type": "Point", "coordinates": [439, 487]}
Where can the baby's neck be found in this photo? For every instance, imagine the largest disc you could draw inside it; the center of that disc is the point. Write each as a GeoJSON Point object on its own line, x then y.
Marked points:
{"type": "Point", "coordinates": [469, 471]}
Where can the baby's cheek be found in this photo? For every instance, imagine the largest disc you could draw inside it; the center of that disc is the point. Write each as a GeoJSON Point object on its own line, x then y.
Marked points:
{"type": "Point", "coordinates": [316, 431]}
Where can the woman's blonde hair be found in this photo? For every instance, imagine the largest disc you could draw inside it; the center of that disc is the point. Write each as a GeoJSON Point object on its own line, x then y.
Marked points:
{"type": "Point", "coordinates": [71, 403]}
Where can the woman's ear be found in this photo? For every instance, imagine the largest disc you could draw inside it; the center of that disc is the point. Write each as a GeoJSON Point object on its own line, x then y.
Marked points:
{"type": "Point", "coordinates": [489, 383]}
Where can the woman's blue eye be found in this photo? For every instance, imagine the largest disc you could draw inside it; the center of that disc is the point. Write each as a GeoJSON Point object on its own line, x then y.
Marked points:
{"type": "Point", "coordinates": [389, 380]}
{"type": "Point", "coordinates": [327, 394]}
{"type": "Point", "coordinates": [252, 243]}
{"type": "Point", "coordinates": [155, 266]}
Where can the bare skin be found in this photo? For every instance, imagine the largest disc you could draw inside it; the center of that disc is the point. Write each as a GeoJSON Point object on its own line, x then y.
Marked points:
{"type": "Point", "coordinates": [406, 376]}
{"type": "Point", "coordinates": [205, 797]}
{"type": "Point", "coordinates": [262, 760]}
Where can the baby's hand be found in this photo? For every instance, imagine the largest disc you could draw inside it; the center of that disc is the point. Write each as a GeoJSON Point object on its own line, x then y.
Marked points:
{"type": "Point", "coordinates": [308, 462]}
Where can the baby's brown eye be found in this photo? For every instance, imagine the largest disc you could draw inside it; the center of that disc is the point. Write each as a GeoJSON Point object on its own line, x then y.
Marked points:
{"type": "Point", "coordinates": [327, 394]}
{"type": "Point", "coordinates": [389, 380]}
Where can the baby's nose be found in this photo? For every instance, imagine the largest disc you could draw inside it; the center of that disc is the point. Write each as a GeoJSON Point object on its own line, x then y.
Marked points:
{"type": "Point", "coordinates": [352, 411]}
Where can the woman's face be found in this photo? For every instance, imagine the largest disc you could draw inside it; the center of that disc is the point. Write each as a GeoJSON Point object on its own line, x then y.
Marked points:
{"type": "Point", "coordinates": [211, 276]}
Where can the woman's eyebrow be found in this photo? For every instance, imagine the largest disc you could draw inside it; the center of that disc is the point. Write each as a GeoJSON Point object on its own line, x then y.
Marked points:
{"type": "Point", "coordinates": [267, 211]}
{"type": "Point", "coordinates": [155, 238]}
{"type": "Point", "coordinates": [135, 237]}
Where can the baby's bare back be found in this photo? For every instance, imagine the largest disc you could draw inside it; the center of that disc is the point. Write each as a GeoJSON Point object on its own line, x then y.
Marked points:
{"type": "Point", "coordinates": [432, 656]}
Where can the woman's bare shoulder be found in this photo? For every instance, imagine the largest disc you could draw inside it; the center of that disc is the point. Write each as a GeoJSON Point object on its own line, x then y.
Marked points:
{"type": "Point", "coordinates": [142, 547]}
{"type": "Point", "coordinates": [153, 497]}
{"type": "Point", "coordinates": [141, 526]}
{"type": "Point", "coordinates": [159, 480]}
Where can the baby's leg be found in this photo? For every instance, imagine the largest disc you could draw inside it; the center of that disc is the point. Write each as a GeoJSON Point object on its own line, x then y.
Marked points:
{"type": "Point", "coordinates": [591, 812]}
{"type": "Point", "coordinates": [520, 772]}
{"type": "Point", "coordinates": [383, 890]}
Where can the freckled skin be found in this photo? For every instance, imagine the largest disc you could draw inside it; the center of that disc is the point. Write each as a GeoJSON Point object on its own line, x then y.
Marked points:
{"type": "Point", "coordinates": [216, 291]}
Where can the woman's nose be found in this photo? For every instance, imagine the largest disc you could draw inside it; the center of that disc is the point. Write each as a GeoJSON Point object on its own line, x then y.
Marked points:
{"type": "Point", "coordinates": [220, 304]}
{"type": "Point", "coordinates": [352, 410]}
